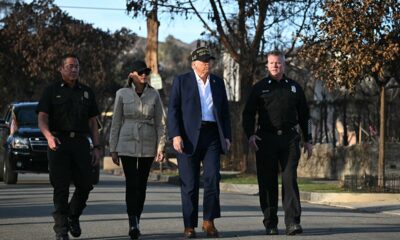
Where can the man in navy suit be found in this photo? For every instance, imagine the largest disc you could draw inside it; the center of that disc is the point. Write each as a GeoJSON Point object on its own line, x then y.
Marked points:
{"type": "Point", "coordinates": [199, 126]}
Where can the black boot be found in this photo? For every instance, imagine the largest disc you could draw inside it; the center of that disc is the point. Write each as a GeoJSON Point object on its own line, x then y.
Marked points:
{"type": "Point", "coordinates": [134, 231]}
{"type": "Point", "coordinates": [74, 227]}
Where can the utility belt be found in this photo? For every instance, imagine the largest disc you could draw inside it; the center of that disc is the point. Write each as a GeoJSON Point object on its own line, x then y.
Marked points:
{"type": "Point", "coordinates": [278, 132]}
{"type": "Point", "coordinates": [70, 134]}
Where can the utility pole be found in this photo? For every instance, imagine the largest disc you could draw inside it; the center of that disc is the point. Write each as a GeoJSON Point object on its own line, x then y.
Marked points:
{"type": "Point", "coordinates": [152, 50]}
{"type": "Point", "coordinates": [152, 39]}
{"type": "Point", "coordinates": [152, 46]}
{"type": "Point", "coordinates": [381, 160]}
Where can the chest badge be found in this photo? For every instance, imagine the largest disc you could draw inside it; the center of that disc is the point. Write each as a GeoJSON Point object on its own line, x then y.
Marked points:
{"type": "Point", "coordinates": [293, 89]}
{"type": "Point", "coordinates": [265, 91]}
{"type": "Point", "coordinates": [58, 96]}
{"type": "Point", "coordinates": [86, 94]}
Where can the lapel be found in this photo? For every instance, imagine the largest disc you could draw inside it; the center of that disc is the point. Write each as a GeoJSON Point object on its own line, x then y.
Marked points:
{"type": "Point", "coordinates": [215, 96]}
{"type": "Point", "coordinates": [195, 90]}
{"type": "Point", "coordinates": [214, 90]}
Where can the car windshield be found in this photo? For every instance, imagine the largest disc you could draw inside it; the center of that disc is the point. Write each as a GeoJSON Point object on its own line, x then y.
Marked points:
{"type": "Point", "coordinates": [26, 116]}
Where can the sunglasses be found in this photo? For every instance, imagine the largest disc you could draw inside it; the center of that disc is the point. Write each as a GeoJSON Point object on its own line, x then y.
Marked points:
{"type": "Point", "coordinates": [144, 71]}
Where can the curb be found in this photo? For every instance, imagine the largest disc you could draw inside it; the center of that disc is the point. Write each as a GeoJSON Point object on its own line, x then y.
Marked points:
{"type": "Point", "coordinates": [365, 202]}
{"type": "Point", "coordinates": [386, 203]}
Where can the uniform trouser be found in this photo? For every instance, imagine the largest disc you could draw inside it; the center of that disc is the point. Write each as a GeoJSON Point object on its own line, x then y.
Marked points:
{"type": "Point", "coordinates": [208, 152]}
{"type": "Point", "coordinates": [70, 162]}
{"type": "Point", "coordinates": [274, 151]}
{"type": "Point", "coordinates": [136, 172]}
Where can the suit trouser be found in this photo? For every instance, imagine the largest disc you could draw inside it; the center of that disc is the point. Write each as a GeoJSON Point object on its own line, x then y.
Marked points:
{"type": "Point", "coordinates": [71, 161]}
{"type": "Point", "coordinates": [208, 152]}
{"type": "Point", "coordinates": [274, 151]}
{"type": "Point", "coordinates": [136, 172]}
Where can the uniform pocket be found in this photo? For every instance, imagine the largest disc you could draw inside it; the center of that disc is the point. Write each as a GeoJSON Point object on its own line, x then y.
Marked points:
{"type": "Point", "coordinates": [85, 102]}
{"type": "Point", "coordinates": [59, 100]}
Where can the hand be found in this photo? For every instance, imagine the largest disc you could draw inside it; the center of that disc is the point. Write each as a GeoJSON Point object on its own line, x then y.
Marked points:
{"type": "Point", "coordinates": [115, 158]}
{"type": "Point", "coordinates": [96, 156]}
{"type": "Point", "coordinates": [252, 142]}
{"type": "Point", "coordinates": [178, 144]}
{"type": "Point", "coordinates": [228, 144]}
{"type": "Point", "coordinates": [53, 142]}
{"type": "Point", "coordinates": [308, 147]}
{"type": "Point", "coordinates": [131, 75]}
{"type": "Point", "coordinates": [159, 157]}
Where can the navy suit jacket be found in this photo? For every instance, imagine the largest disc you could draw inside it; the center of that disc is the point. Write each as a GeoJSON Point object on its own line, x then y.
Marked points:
{"type": "Point", "coordinates": [184, 111]}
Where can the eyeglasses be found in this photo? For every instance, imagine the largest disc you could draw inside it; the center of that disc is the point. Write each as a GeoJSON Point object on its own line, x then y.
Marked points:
{"type": "Point", "coordinates": [70, 67]}
{"type": "Point", "coordinates": [145, 71]}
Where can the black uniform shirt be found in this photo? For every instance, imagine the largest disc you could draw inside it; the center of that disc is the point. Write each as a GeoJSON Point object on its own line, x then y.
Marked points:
{"type": "Point", "coordinates": [280, 105]}
{"type": "Point", "coordinates": [69, 109]}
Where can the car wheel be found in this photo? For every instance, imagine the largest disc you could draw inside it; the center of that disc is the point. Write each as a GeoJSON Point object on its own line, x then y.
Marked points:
{"type": "Point", "coordinates": [9, 177]}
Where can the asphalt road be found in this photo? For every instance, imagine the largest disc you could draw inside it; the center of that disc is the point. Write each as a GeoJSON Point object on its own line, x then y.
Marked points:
{"type": "Point", "coordinates": [25, 213]}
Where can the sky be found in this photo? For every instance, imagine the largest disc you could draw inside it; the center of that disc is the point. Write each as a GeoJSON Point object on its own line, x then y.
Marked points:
{"type": "Point", "coordinates": [111, 15]}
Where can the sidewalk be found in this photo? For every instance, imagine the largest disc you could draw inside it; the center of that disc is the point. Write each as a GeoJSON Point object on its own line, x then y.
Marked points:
{"type": "Point", "coordinates": [366, 202]}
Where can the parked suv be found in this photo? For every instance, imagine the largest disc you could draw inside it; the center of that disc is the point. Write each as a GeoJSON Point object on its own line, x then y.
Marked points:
{"type": "Point", "coordinates": [23, 147]}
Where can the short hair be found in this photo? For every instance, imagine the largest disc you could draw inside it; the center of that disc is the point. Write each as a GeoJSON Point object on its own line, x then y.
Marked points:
{"type": "Point", "coordinates": [276, 53]}
{"type": "Point", "coordinates": [68, 55]}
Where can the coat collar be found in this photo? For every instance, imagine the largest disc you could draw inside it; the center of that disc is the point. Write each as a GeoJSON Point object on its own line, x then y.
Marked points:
{"type": "Point", "coordinates": [133, 87]}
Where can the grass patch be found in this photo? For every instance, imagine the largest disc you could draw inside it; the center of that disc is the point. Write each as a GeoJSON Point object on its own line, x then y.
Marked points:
{"type": "Point", "coordinates": [239, 179]}
{"type": "Point", "coordinates": [320, 187]}
{"type": "Point", "coordinates": [305, 184]}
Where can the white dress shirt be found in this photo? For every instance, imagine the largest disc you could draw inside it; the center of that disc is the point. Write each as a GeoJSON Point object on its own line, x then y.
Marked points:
{"type": "Point", "coordinates": [206, 100]}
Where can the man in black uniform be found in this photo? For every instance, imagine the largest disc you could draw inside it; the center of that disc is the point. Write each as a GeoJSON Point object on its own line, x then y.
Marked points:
{"type": "Point", "coordinates": [280, 105]}
{"type": "Point", "coordinates": [67, 117]}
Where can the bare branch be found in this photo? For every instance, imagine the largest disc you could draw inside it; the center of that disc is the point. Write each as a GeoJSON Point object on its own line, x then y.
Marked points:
{"type": "Point", "coordinates": [224, 38]}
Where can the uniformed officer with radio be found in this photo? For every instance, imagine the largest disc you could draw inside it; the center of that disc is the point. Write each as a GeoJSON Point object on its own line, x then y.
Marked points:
{"type": "Point", "coordinates": [280, 105]}
{"type": "Point", "coordinates": [67, 114]}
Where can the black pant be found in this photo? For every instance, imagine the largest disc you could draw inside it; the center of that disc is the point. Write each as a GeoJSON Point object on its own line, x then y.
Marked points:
{"type": "Point", "coordinates": [136, 171]}
{"type": "Point", "coordinates": [274, 151]}
{"type": "Point", "coordinates": [71, 161]}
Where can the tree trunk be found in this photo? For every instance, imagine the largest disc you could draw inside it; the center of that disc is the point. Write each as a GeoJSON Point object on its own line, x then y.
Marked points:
{"type": "Point", "coordinates": [345, 135]}
{"type": "Point", "coordinates": [241, 157]}
{"type": "Point", "coordinates": [321, 118]}
{"type": "Point", "coordinates": [326, 121]}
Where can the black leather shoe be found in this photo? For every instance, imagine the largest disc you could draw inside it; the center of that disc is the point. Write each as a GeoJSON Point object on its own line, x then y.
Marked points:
{"type": "Point", "coordinates": [60, 236]}
{"type": "Point", "coordinates": [271, 231]}
{"type": "Point", "coordinates": [134, 231]}
{"type": "Point", "coordinates": [74, 227]}
{"type": "Point", "coordinates": [294, 229]}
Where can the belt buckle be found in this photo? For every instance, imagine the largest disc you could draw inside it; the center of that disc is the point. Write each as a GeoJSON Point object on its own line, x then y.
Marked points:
{"type": "Point", "coordinates": [279, 132]}
{"type": "Point", "coordinates": [72, 134]}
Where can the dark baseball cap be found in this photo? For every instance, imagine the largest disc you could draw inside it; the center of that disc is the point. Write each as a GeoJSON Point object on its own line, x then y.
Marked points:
{"type": "Point", "coordinates": [202, 54]}
{"type": "Point", "coordinates": [140, 66]}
